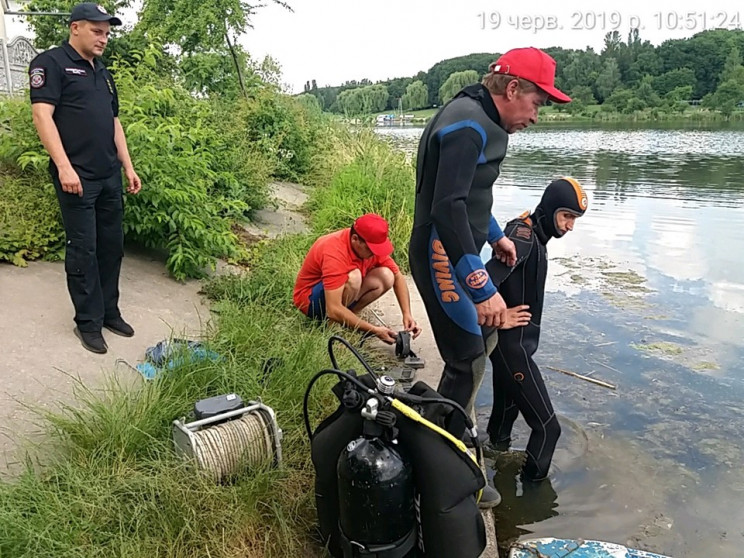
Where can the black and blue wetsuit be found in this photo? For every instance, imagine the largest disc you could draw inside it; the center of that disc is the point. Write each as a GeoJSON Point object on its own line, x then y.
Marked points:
{"type": "Point", "coordinates": [518, 385]}
{"type": "Point", "coordinates": [459, 158]}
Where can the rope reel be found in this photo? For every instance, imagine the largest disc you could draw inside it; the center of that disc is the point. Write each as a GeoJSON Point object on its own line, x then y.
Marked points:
{"type": "Point", "coordinates": [228, 443]}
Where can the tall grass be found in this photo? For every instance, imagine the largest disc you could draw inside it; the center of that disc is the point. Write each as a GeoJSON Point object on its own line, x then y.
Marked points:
{"type": "Point", "coordinates": [114, 486]}
{"type": "Point", "coordinates": [111, 484]}
{"type": "Point", "coordinates": [365, 175]}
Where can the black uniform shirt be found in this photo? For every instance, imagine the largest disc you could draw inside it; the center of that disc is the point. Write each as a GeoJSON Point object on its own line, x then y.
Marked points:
{"type": "Point", "coordinates": [86, 104]}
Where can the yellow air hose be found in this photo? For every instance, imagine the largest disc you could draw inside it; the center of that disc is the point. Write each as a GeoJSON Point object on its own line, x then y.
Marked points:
{"type": "Point", "coordinates": [413, 415]}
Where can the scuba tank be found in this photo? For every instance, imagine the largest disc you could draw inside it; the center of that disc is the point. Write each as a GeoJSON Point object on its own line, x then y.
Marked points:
{"type": "Point", "coordinates": [389, 482]}
{"type": "Point", "coordinates": [375, 491]}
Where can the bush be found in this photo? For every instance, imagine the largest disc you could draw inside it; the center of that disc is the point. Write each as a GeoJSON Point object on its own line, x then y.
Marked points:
{"type": "Point", "coordinates": [30, 220]}
{"type": "Point", "coordinates": [171, 145]}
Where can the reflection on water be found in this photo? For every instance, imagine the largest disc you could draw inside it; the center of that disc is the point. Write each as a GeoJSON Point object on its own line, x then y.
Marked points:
{"type": "Point", "coordinates": [648, 294]}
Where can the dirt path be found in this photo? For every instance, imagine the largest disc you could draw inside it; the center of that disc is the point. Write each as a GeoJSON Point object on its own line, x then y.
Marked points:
{"type": "Point", "coordinates": [41, 357]}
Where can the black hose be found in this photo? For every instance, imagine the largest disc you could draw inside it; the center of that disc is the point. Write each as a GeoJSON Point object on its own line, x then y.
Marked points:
{"type": "Point", "coordinates": [336, 338]}
{"type": "Point", "coordinates": [326, 372]}
{"type": "Point", "coordinates": [403, 396]}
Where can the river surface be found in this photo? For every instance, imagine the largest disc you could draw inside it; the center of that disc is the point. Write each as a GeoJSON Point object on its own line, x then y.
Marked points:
{"type": "Point", "coordinates": [647, 293]}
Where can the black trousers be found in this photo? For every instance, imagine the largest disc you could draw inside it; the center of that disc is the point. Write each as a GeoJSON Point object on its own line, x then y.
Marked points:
{"type": "Point", "coordinates": [462, 343]}
{"type": "Point", "coordinates": [518, 387]}
{"type": "Point", "coordinates": [94, 249]}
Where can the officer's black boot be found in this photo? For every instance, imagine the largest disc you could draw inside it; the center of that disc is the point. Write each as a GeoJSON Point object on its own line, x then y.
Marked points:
{"type": "Point", "coordinates": [92, 340]}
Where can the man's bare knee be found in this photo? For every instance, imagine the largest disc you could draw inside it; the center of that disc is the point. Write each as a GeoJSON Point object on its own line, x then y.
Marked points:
{"type": "Point", "coordinates": [352, 287]}
{"type": "Point", "coordinates": [387, 278]}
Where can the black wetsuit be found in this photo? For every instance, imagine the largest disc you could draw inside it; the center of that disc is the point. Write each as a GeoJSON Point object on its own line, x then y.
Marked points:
{"type": "Point", "coordinates": [518, 385]}
{"type": "Point", "coordinates": [459, 158]}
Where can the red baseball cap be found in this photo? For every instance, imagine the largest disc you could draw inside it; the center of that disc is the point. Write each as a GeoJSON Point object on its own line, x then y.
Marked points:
{"type": "Point", "coordinates": [533, 65]}
{"type": "Point", "coordinates": [373, 229]}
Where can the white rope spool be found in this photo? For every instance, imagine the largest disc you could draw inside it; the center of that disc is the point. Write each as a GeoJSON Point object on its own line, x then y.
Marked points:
{"type": "Point", "coordinates": [245, 439]}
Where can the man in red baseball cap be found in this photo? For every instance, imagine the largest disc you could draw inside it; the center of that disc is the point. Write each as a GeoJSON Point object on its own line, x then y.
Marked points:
{"type": "Point", "coordinates": [459, 159]}
{"type": "Point", "coordinates": [346, 270]}
{"type": "Point", "coordinates": [521, 81]}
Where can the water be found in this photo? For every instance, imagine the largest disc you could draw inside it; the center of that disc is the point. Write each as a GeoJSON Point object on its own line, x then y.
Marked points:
{"type": "Point", "coordinates": [647, 293]}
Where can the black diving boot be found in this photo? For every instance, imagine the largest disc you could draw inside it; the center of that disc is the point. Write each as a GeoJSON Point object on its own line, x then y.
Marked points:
{"type": "Point", "coordinates": [490, 498]}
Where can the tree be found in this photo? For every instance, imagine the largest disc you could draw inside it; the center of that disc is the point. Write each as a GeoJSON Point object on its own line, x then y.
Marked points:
{"type": "Point", "coordinates": [674, 79]}
{"type": "Point", "coordinates": [618, 101]}
{"type": "Point", "coordinates": [416, 96]}
{"type": "Point", "coordinates": [439, 72]}
{"type": "Point", "coordinates": [608, 80]}
{"type": "Point", "coordinates": [645, 92]}
{"type": "Point", "coordinates": [676, 99]}
{"type": "Point", "coordinates": [455, 82]}
{"type": "Point", "coordinates": [363, 100]}
{"type": "Point", "coordinates": [581, 69]}
{"type": "Point", "coordinates": [705, 52]}
{"type": "Point", "coordinates": [725, 99]}
{"type": "Point", "coordinates": [192, 26]}
{"type": "Point", "coordinates": [310, 102]}
{"type": "Point", "coordinates": [732, 68]}
{"type": "Point", "coordinates": [397, 89]}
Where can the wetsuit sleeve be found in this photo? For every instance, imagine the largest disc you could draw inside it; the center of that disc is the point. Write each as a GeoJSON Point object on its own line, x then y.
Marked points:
{"type": "Point", "coordinates": [523, 237]}
{"type": "Point", "coordinates": [45, 80]}
{"type": "Point", "coordinates": [460, 150]}
{"type": "Point", "coordinates": [494, 231]}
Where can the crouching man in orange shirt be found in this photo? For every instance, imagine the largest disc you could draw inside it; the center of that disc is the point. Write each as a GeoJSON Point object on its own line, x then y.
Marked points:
{"type": "Point", "coordinates": [347, 270]}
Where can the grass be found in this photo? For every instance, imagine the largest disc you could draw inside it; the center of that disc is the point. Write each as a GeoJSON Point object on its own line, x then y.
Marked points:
{"type": "Point", "coordinates": [369, 177]}
{"type": "Point", "coordinates": [111, 485]}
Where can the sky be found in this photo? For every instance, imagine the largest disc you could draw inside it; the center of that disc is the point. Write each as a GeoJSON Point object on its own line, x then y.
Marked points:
{"type": "Point", "coordinates": [333, 41]}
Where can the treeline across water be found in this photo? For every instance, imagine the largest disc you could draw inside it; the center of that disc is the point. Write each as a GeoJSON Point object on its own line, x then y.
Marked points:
{"type": "Point", "coordinates": [629, 74]}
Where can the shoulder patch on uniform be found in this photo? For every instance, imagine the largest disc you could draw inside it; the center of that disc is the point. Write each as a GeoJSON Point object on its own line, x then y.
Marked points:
{"type": "Point", "coordinates": [523, 231]}
{"type": "Point", "coordinates": [37, 77]}
{"type": "Point", "coordinates": [76, 71]}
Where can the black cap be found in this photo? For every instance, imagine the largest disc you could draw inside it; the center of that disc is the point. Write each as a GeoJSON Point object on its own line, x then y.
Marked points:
{"type": "Point", "coordinates": [90, 11]}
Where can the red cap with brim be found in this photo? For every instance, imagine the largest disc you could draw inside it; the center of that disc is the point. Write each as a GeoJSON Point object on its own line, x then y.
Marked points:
{"type": "Point", "coordinates": [533, 65]}
{"type": "Point", "coordinates": [373, 229]}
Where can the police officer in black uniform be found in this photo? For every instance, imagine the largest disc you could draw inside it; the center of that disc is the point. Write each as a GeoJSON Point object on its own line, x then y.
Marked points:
{"type": "Point", "coordinates": [75, 110]}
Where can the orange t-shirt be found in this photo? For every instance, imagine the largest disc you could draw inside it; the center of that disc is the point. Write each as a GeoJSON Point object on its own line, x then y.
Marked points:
{"type": "Point", "coordinates": [330, 260]}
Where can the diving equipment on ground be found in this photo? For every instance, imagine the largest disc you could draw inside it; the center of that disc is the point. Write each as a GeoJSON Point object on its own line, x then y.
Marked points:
{"type": "Point", "coordinates": [229, 437]}
{"type": "Point", "coordinates": [403, 350]}
{"type": "Point", "coordinates": [390, 482]}
{"type": "Point", "coordinates": [403, 346]}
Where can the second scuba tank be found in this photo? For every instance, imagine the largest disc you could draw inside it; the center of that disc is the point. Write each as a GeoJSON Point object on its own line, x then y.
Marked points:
{"type": "Point", "coordinates": [376, 493]}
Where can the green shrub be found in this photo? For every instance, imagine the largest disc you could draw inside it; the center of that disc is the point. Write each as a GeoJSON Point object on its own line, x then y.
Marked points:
{"type": "Point", "coordinates": [30, 221]}
{"type": "Point", "coordinates": [176, 154]}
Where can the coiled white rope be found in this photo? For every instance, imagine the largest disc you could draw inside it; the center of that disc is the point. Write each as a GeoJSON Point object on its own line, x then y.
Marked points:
{"type": "Point", "coordinates": [231, 447]}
